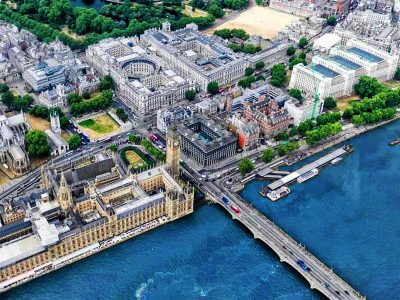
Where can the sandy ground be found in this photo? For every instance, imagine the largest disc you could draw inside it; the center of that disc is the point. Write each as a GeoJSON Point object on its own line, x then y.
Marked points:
{"type": "Point", "coordinates": [109, 127]}
{"type": "Point", "coordinates": [260, 20]}
{"type": "Point", "coordinates": [38, 123]}
{"type": "Point", "coordinates": [197, 13]}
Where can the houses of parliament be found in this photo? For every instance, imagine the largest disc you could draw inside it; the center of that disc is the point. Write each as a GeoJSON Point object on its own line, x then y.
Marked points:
{"type": "Point", "coordinates": [87, 208]}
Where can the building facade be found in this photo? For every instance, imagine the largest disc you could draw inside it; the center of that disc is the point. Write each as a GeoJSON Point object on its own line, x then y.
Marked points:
{"type": "Point", "coordinates": [205, 141]}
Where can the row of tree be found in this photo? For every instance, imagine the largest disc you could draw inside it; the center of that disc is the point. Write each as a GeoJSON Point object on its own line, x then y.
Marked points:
{"type": "Point", "coordinates": [134, 21]}
{"type": "Point", "coordinates": [232, 33]}
{"type": "Point", "coordinates": [80, 107]}
{"type": "Point", "coordinates": [244, 48]}
{"type": "Point", "coordinates": [16, 103]}
{"type": "Point", "coordinates": [322, 132]}
{"type": "Point", "coordinates": [153, 150]}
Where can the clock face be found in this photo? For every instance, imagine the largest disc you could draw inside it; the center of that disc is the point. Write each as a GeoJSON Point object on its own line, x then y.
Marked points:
{"type": "Point", "coordinates": [176, 143]}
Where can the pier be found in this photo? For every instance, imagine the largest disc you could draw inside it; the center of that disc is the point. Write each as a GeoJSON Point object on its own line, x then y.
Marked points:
{"type": "Point", "coordinates": [319, 163]}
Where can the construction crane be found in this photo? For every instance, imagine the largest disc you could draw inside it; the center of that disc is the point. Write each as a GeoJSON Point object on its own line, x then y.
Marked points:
{"type": "Point", "coordinates": [316, 96]}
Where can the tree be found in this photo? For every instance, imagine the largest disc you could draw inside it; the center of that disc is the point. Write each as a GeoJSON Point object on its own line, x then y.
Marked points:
{"type": "Point", "coordinates": [40, 111]}
{"type": "Point", "coordinates": [74, 142]}
{"type": "Point", "coordinates": [107, 83]}
{"type": "Point", "coordinates": [213, 87]}
{"type": "Point", "coordinates": [7, 98]}
{"type": "Point", "coordinates": [302, 55]}
{"type": "Point", "coordinates": [85, 95]}
{"type": "Point", "coordinates": [36, 143]}
{"type": "Point", "coordinates": [22, 103]}
{"type": "Point", "coordinates": [132, 138]}
{"type": "Point", "coordinates": [296, 93]}
{"type": "Point", "coordinates": [329, 103]}
{"type": "Point", "coordinates": [367, 87]}
{"type": "Point", "coordinates": [278, 75]}
{"type": "Point", "coordinates": [290, 51]}
{"type": "Point", "coordinates": [282, 136]}
{"type": "Point", "coordinates": [120, 112]}
{"type": "Point", "coordinates": [216, 11]}
{"type": "Point", "coordinates": [397, 74]}
{"type": "Point", "coordinates": [293, 132]}
{"type": "Point", "coordinates": [260, 65]}
{"type": "Point", "coordinates": [303, 42]}
{"type": "Point", "coordinates": [246, 166]}
{"type": "Point", "coordinates": [295, 61]}
{"type": "Point", "coordinates": [4, 88]}
{"type": "Point", "coordinates": [190, 95]}
{"type": "Point", "coordinates": [284, 149]}
{"type": "Point", "coordinates": [249, 71]}
{"type": "Point", "coordinates": [268, 155]}
{"type": "Point", "coordinates": [113, 147]}
{"type": "Point", "coordinates": [331, 21]}
{"type": "Point", "coordinates": [74, 98]}
{"type": "Point", "coordinates": [357, 120]}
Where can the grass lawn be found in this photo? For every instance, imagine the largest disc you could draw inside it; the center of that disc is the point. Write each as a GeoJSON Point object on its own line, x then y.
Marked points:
{"type": "Point", "coordinates": [135, 160]}
{"type": "Point", "coordinates": [345, 102]}
{"type": "Point", "coordinates": [392, 84]}
{"type": "Point", "coordinates": [99, 127]}
{"type": "Point", "coordinates": [101, 124]}
{"type": "Point", "coordinates": [38, 123]}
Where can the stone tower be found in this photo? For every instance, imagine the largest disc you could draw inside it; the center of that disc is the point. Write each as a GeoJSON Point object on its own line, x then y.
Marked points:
{"type": "Point", "coordinates": [64, 195]}
{"type": "Point", "coordinates": [173, 150]}
{"type": "Point", "coordinates": [55, 122]}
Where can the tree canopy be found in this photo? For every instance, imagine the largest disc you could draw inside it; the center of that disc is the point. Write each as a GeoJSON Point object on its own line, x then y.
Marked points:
{"type": "Point", "coordinates": [213, 87]}
{"type": "Point", "coordinates": [36, 143]}
{"type": "Point", "coordinates": [268, 155]}
{"type": "Point", "coordinates": [278, 75]}
{"type": "Point", "coordinates": [367, 87]}
{"type": "Point", "coordinates": [246, 166]}
{"type": "Point", "coordinates": [329, 103]}
{"type": "Point", "coordinates": [190, 95]}
{"type": "Point", "coordinates": [74, 142]}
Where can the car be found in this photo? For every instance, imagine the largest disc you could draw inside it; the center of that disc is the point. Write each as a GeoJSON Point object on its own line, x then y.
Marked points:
{"type": "Point", "coordinates": [347, 292]}
{"type": "Point", "coordinates": [303, 265]}
{"type": "Point", "coordinates": [337, 292]}
{"type": "Point", "coordinates": [326, 285]}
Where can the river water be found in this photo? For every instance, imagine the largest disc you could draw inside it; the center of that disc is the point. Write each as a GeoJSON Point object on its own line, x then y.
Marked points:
{"type": "Point", "coordinates": [348, 216]}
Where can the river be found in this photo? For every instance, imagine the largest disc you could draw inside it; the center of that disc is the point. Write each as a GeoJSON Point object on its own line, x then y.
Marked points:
{"type": "Point", "coordinates": [348, 216]}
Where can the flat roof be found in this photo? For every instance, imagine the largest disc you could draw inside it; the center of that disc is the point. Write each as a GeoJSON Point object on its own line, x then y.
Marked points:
{"type": "Point", "coordinates": [365, 55]}
{"type": "Point", "coordinates": [344, 62]}
{"type": "Point", "coordinates": [21, 249]}
{"type": "Point", "coordinates": [325, 71]}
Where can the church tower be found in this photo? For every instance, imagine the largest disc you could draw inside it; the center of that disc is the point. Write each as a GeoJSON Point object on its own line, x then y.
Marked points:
{"type": "Point", "coordinates": [64, 195]}
{"type": "Point", "coordinates": [173, 150]}
{"type": "Point", "coordinates": [55, 122]}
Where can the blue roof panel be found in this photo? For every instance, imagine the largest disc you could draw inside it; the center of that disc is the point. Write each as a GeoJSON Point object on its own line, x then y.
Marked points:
{"type": "Point", "coordinates": [324, 71]}
{"type": "Point", "coordinates": [365, 55]}
{"type": "Point", "coordinates": [348, 64]}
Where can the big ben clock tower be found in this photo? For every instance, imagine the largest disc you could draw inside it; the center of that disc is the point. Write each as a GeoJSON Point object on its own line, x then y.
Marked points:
{"type": "Point", "coordinates": [173, 149]}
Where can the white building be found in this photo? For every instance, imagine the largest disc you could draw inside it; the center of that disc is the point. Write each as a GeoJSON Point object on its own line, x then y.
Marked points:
{"type": "Point", "coordinates": [167, 117]}
{"type": "Point", "coordinates": [56, 97]}
{"type": "Point", "coordinates": [336, 74]}
{"type": "Point", "coordinates": [302, 112]}
{"type": "Point", "coordinates": [57, 144]}
{"type": "Point", "coordinates": [144, 81]}
{"type": "Point", "coordinates": [44, 76]}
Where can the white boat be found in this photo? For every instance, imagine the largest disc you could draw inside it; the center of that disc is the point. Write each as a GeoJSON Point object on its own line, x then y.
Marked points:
{"type": "Point", "coordinates": [308, 175]}
{"type": "Point", "coordinates": [336, 161]}
{"type": "Point", "coordinates": [279, 193]}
